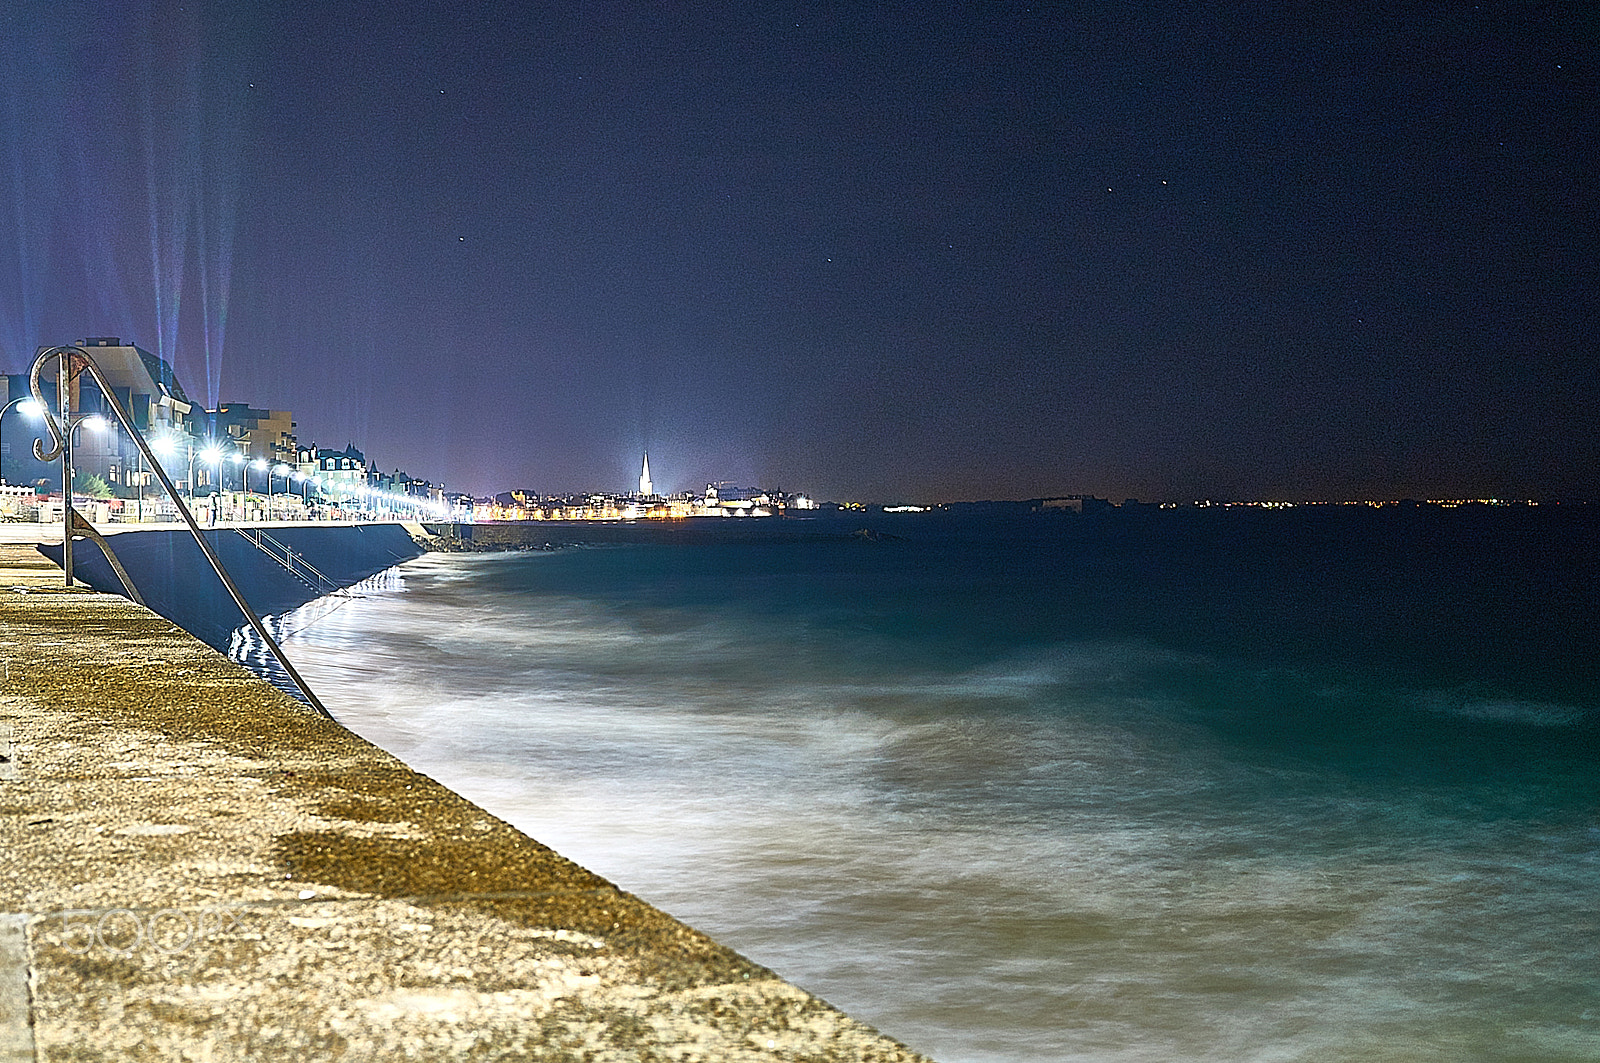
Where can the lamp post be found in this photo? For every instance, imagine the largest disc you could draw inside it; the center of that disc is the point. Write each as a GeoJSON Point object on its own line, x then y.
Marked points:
{"type": "Point", "coordinates": [25, 406]}
{"type": "Point", "coordinates": [283, 471]}
{"type": "Point", "coordinates": [166, 446]}
{"type": "Point", "coordinates": [258, 464]}
{"type": "Point", "coordinates": [95, 423]}
{"type": "Point", "coordinates": [138, 478]}
{"type": "Point", "coordinates": [212, 456]}
{"type": "Point", "coordinates": [238, 458]}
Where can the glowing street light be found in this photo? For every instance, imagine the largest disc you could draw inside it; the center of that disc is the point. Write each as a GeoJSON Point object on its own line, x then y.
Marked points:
{"type": "Point", "coordinates": [168, 445]}
{"type": "Point", "coordinates": [94, 423]}
{"type": "Point", "coordinates": [237, 458]}
{"type": "Point", "coordinates": [211, 454]}
{"type": "Point", "coordinates": [281, 470]}
{"type": "Point", "coordinates": [25, 406]}
{"type": "Point", "coordinates": [258, 465]}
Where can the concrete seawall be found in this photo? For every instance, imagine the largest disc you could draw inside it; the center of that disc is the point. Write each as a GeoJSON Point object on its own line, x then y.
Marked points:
{"type": "Point", "coordinates": [175, 580]}
{"type": "Point", "coordinates": [199, 867]}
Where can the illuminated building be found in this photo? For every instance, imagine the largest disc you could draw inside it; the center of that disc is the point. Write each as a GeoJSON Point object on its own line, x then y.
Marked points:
{"type": "Point", "coordinates": [149, 390]}
{"type": "Point", "coordinates": [266, 434]}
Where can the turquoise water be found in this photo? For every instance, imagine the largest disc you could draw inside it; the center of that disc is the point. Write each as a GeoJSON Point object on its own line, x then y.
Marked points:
{"type": "Point", "coordinates": [1237, 786]}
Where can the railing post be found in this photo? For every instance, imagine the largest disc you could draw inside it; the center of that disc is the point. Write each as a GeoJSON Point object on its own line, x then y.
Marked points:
{"type": "Point", "coordinates": [64, 400]}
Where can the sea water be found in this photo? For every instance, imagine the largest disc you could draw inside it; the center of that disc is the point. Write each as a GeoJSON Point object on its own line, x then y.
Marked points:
{"type": "Point", "coordinates": [1315, 785]}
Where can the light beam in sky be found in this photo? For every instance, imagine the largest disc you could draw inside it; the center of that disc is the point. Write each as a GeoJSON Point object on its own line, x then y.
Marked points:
{"type": "Point", "coordinates": [168, 161]}
{"type": "Point", "coordinates": [35, 81]}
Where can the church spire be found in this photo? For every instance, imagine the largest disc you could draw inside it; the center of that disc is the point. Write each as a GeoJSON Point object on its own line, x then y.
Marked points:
{"type": "Point", "coordinates": [645, 486]}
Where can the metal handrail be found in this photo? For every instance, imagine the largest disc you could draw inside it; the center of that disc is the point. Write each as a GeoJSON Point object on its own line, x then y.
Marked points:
{"type": "Point", "coordinates": [62, 446]}
{"type": "Point", "coordinates": [259, 538]}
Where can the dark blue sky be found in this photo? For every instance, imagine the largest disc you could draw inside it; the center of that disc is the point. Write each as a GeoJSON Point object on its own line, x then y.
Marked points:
{"type": "Point", "coordinates": [884, 251]}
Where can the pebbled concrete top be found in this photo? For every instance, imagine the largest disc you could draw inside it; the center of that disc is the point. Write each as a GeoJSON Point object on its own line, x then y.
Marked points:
{"type": "Point", "coordinates": [198, 867]}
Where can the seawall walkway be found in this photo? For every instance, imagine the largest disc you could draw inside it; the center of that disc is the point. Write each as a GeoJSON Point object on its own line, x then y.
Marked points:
{"type": "Point", "coordinates": [198, 867]}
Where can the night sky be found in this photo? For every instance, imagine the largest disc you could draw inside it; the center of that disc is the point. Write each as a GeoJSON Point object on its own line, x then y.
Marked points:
{"type": "Point", "coordinates": [879, 251]}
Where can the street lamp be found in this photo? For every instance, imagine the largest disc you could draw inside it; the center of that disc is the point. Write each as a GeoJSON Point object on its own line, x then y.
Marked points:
{"type": "Point", "coordinates": [138, 479]}
{"type": "Point", "coordinates": [27, 407]}
{"type": "Point", "coordinates": [94, 423]}
{"type": "Point", "coordinates": [167, 446]}
{"type": "Point", "coordinates": [285, 472]}
{"type": "Point", "coordinates": [238, 459]}
{"type": "Point", "coordinates": [211, 454]}
{"type": "Point", "coordinates": [258, 465]}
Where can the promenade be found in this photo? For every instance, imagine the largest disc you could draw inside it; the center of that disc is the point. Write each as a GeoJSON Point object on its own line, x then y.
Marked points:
{"type": "Point", "coordinates": [28, 532]}
{"type": "Point", "coordinates": [198, 867]}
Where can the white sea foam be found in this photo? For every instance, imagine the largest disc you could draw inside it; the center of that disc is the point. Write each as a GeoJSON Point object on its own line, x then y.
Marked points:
{"type": "Point", "coordinates": [1049, 856]}
{"type": "Point", "coordinates": [1505, 710]}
